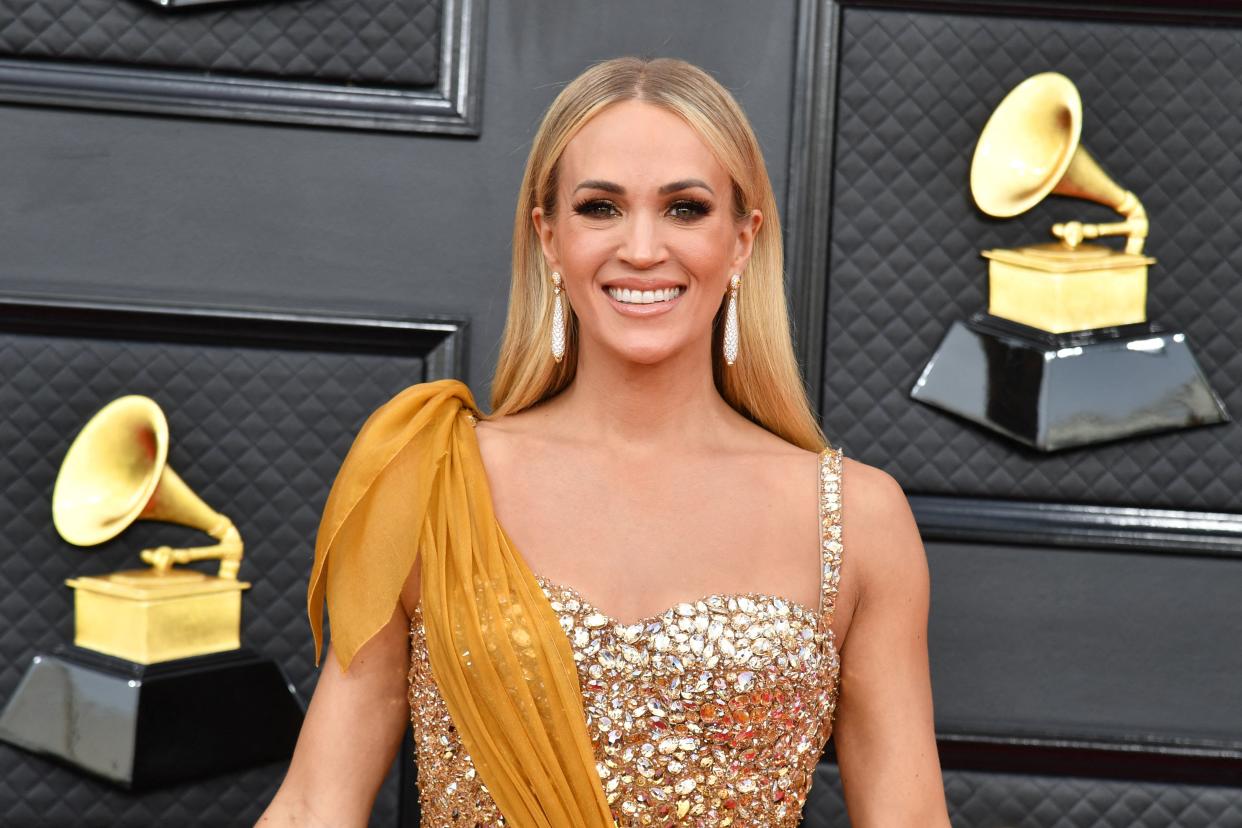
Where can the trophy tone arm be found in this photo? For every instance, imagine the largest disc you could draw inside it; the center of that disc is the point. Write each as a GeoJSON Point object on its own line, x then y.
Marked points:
{"type": "Point", "coordinates": [1134, 227]}
{"type": "Point", "coordinates": [228, 550]}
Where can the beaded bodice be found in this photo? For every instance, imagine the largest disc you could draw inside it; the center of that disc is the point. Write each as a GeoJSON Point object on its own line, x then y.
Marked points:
{"type": "Point", "coordinates": [712, 713]}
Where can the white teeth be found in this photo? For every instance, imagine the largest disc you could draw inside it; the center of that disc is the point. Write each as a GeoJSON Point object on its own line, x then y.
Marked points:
{"type": "Point", "coordinates": [643, 297]}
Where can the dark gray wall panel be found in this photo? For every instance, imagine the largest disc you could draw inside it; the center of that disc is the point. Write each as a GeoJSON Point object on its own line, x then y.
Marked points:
{"type": "Point", "coordinates": [365, 41]}
{"type": "Point", "coordinates": [258, 431]}
{"type": "Point", "coordinates": [1077, 644]}
{"type": "Point", "coordinates": [207, 212]}
{"type": "Point", "coordinates": [376, 64]}
{"type": "Point", "coordinates": [1045, 660]}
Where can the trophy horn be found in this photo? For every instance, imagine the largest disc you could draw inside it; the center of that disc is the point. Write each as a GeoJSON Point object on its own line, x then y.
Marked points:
{"type": "Point", "coordinates": [1030, 148]}
{"type": "Point", "coordinates": [116, 472]}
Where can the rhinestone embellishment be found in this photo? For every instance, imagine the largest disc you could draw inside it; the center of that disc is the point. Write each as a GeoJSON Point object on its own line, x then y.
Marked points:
{"type": "Point", "coordinates": [730, 331]}
{"type": "Point", "coordinates": [558, 318]}
{"type": "Point", "coordinates": [712, 713]}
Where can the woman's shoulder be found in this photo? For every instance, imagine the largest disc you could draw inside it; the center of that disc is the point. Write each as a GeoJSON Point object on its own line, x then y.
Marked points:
{"type": "Point", "coordinates": [875, 488]}
{"type": "Point", "coordinates": [774, 463]}
{"type": "Point", "coordinates": [505, 439]}
{"type": "Point", "coordinates": [525, 428]}
{"type": "Point", "coordinates": [878, 528]}
{"type": "Point", "coordinates": [872, 494]}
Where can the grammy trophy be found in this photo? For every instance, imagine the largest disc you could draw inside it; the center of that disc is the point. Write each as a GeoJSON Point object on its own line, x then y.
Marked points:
{"type": "Point", "coordinates": [1064, 354]}
{"type": "Point", "coordinates": [156, 687]}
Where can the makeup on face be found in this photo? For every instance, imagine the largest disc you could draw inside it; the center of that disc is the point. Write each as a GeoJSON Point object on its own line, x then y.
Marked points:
{"type": "Point", "coordinates": [647, 231]}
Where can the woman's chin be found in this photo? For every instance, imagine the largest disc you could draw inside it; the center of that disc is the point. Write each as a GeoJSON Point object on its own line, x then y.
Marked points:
{"type": "Point", "coordinates": [636, 347]}
{"type": "Point", "coordinates": [645, 354]}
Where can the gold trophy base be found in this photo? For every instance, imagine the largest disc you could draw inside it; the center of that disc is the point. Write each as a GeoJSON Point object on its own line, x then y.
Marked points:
{"type": "Point", "coordinates": [147, 616]}
{"type": "Point", "coordinates": [1060, 289]}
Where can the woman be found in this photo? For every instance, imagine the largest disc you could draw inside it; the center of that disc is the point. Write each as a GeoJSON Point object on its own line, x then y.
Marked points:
{"type": "Point", "coordinates": [643, 591]}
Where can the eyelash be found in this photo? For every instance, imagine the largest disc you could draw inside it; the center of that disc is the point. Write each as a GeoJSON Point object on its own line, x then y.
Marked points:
{"type": "Point", "coordinates": [701, 208]}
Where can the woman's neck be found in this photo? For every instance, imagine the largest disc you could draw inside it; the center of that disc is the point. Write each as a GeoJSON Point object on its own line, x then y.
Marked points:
{"type": "Point", "coordinates": [613, 402]}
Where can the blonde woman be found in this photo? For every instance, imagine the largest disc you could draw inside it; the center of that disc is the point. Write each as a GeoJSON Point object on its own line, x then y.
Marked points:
{"type": "Point", "coordinates": [643, 590]}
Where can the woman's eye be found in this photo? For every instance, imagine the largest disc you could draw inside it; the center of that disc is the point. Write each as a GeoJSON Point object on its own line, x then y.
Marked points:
{"type": "Point", "coordinates": [685, 210]}
{"type": "Point", "coordinates": [594, 209]}
{"type": "Point", "coordinates": [689, 209]}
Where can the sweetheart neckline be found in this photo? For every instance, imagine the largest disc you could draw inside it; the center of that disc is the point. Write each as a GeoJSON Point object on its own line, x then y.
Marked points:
{"type": "Point", "coordinates": [647, 619]}
{"type": "Point", "coordinates": [821, 631]}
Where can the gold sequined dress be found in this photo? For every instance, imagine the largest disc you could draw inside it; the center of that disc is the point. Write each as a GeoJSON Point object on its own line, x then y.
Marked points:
{"type": "Point", "coordinates": [712, 713]}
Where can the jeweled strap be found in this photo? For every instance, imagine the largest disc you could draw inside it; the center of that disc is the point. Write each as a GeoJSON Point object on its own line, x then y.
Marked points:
{"type": "Point", "coordinates": [829, 532]}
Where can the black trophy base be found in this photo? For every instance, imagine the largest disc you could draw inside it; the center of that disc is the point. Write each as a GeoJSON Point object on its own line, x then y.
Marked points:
{"type": "Point", "coordinates": [1055, 391]}
{"type": "Point", "coordinates": [143, 726]}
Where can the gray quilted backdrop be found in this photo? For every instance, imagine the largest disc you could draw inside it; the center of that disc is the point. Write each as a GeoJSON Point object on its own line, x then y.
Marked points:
{"type": "Point", "coordinates": [1162, 113]}
{"type": "Point", "coordinates": [259, 433]}
{"type": "Point", "coordinates": [376, 42]}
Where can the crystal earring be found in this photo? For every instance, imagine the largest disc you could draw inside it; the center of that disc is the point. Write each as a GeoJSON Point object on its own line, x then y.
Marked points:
{"type": "Point", "coordinates": [558, 319]}
{"type": "Point", "coordinates": [730, 331]}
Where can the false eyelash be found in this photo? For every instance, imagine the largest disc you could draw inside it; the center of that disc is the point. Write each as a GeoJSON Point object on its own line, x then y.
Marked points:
{"type": "Point", "coordinates": [580, 207]}
{"type": "Point", "coordinates": [701, 208]}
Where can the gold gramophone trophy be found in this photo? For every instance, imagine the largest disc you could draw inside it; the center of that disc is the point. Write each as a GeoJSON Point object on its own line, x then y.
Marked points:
{"type": "Point", "coordinates": [1064, 354]}
{"type": "Point", "coordinates": [115, 473]}
{"type": "Point", "coordinates": [157, 688]}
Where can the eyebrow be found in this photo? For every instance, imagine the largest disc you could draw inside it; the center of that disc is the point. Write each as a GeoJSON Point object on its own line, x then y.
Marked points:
{"type": "Point", "coordinates": [671, 187]}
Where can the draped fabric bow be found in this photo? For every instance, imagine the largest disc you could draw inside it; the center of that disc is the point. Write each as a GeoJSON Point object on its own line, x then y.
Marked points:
{"type": "Point", "coordinates": [413, 490]}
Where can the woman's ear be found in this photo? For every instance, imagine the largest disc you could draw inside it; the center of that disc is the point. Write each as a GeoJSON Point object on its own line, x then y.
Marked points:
{"type": "Point", "coordinates": [747, 228]}
{"type": "Point", "coordinates": [543, 229]}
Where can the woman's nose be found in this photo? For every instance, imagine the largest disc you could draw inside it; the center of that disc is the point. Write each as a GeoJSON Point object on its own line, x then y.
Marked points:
{"type": "Point", "coordinates": [642, 245]}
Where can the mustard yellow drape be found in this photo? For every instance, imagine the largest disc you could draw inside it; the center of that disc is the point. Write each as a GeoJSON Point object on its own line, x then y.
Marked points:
{"type": "Point", "coordinates": [413, 489]}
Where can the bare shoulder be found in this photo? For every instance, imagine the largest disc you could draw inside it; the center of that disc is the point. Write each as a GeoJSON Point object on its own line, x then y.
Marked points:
{"type": "Point", "coordinates": [784, 464]}
{"type": "Point", "coordinates": [506, 437]}
{"type": "Point", "coordinates": [492, 431]}
{"type": "Point", "coordinates": [879, 533]}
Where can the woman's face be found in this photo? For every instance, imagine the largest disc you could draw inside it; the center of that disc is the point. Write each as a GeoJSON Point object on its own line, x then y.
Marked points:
{"type": "Point", "coordinates": [643, 205]}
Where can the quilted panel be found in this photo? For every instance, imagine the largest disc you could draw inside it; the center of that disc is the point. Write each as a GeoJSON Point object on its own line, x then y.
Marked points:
{"type": "Point", "coordinates": [998, 800]}
{"type": "Point", "coordinates": [259, 433]}
{"type": "Point", "coordinates": [1162, 113]}
{"type": "Point", "coordinates": [376, 42]}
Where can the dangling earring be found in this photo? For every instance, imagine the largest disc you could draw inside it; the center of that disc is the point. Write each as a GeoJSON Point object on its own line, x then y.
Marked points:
{"type": "Point", "coordinates": [730, 331]}
{"type": "Point", "coordinates": [558, 319]}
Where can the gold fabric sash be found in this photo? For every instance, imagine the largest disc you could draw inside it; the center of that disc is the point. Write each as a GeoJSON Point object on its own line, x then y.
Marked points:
{"type": "Point", "coordinates": [413, 488]}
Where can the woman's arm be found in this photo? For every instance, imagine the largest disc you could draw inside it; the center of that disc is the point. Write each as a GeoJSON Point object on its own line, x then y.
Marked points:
{"type": "Point", "coordinates": [352, 730]}
{"type": "Point", "coordinates": [885, 735]}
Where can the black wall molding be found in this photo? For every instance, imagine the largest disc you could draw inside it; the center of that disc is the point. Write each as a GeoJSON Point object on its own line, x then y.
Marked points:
{"type": "Point", "coordinates": [1162, 11]}
{"type": "Point", "coordinates": [808, 222]}
{"type": "Point", "coordinates": [1116, 528]}
{"type": "Point", "coordinates": [1051, 755]}
{"type": "Point", "coordinates": [452, 107]}
{"type": "Point", "coordinates": [439, 340]}
{"type": "Point", "coordinates": [1133, 758]}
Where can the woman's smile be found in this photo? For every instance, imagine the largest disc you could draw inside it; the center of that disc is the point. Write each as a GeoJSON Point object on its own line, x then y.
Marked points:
{"type": "Point", "coordinates": [629, 302]}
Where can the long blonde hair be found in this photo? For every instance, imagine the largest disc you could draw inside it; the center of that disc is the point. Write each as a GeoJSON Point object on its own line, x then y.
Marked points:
{"type": "Point", "coordinates": [765, 384]}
